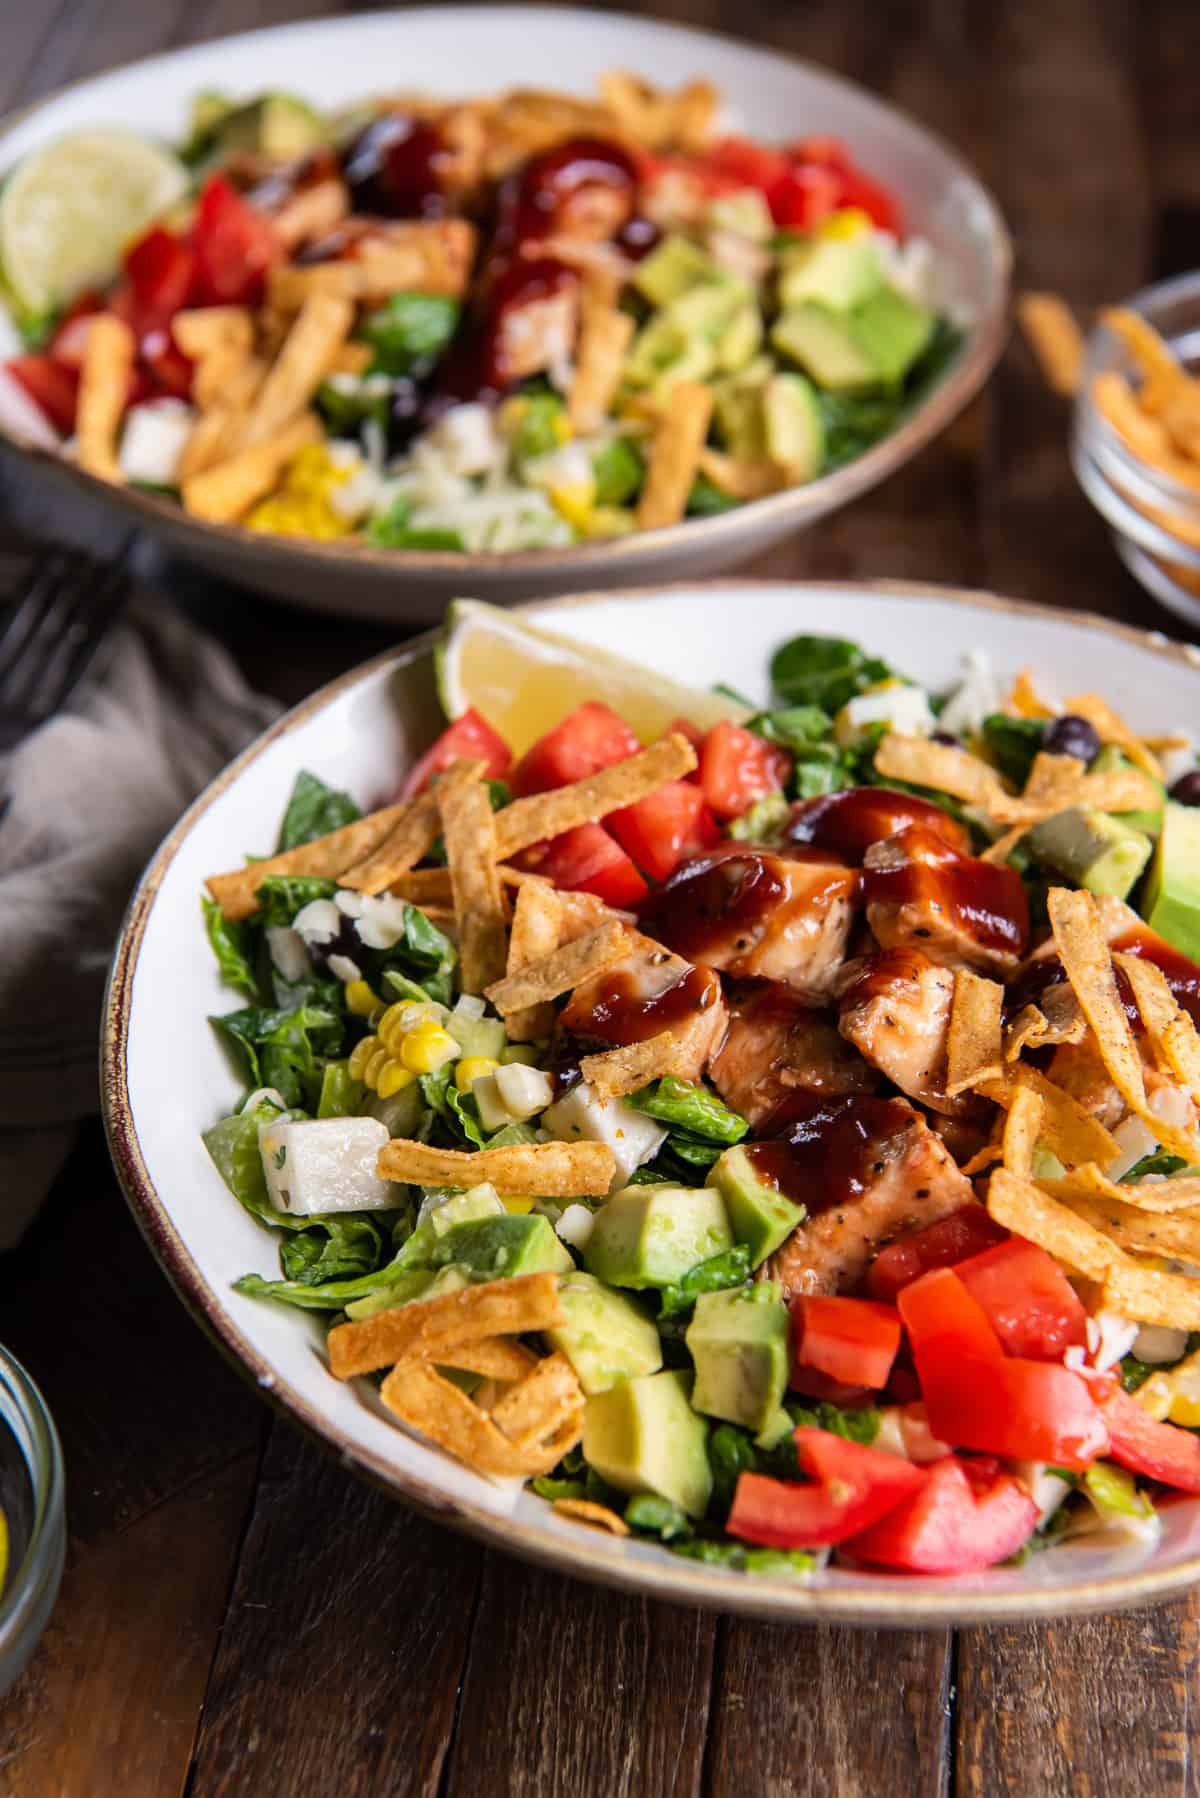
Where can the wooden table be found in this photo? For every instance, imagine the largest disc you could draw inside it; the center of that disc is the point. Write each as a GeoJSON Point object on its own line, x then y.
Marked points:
{"type": "Point", "coordinates": [239, 1616]}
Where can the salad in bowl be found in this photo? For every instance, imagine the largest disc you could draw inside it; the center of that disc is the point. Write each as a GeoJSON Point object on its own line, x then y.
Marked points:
{"type": "Point", "coordinates": [771, 1133]}
{"type": "Point", "coordinates": [478, 325]}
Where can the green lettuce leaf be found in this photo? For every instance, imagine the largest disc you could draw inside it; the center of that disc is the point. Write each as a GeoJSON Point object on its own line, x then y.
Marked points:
{"type": "Point", "coordinates": [824, 672]}
{"type": "Point", "coordinates": [690, 1107]}
{"type": "Point", "coordinates": [409, 331]}
{"type": "Point", "coordinates": [1012, 744]}
{"type": "Point", "coordinates": [782, 1563]}
{"type": "Point", "coordinates": [313, 811]}
{"type": "Point", "coordinates": [281, 896]}
{"type": "Point", "coordinates": [282, 1048]}
{"type": "Point", "coordinates": [424, 954]}
{"type": "Point", "coordinates": [234, 946]}
{"type": "Point", "coordinates": [732, 1268]}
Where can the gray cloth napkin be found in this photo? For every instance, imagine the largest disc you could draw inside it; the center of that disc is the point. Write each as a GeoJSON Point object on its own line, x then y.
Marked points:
{"type": "Point", "coordinates": [90, 795]}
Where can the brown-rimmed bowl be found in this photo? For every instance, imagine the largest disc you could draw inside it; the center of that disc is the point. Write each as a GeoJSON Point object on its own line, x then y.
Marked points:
{"type": "Point", "coordinates": [165, 1078]}
{"type": "Point", "coordinates": [332, 61]}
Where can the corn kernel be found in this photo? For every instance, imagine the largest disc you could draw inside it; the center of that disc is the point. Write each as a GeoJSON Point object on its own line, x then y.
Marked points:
{"type": "Point", "coordinates": [473, 1067]}
{"type": "Point", "coordinates": [375, 1068]}
{"type": "Point", "coordinates": [517, 1204]}
{"type": "Point", "coordinates": [360, 999]}
{"type": "Point", "coordinates": [393, 1079]}
{"type": "Point", "coordinates": [574, 503]}
{"type": "Point", "coordinates": [360, 1056]}
{"type": "Point", "coordinates": [427, 1047]}
{"type": "Point", "coordinates": [846, 222]}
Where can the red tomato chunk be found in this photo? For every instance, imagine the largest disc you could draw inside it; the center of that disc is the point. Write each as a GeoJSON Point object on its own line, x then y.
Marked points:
{"type": "Point", "coordinates": [469, 738]}
{"type": "Point", "coordinates": [964, 1516]}
{"type": "Point", "coordinates": [590, 738]}
{"type": "Point", "coordinates": [587, 860]}
{"type": "Point", "coordinates": [952, 1239]}
{"type": "Point", "coordinates": [737, 768]}
{"type": "Point", "coordinates": [851, 1488]}
{"type": "Point", "coordinates": [665, 828]}
{"type": "Point", "coordinates": [1029, 1301]}
{"type": "Point", "coordinates": [853, 1340]}
{"type": "Point", "coordinates": [235, 245]}
{"type": "Point", "coordinates": [1160, 1451]}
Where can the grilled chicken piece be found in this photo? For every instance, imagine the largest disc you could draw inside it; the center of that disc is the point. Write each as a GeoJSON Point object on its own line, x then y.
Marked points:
{"type": "Point", "coordinates": [848, 823]}
{"type": "Point", "coordinates": [775, 1048]}
{"type": "Point", "coordinates": [758, 915]}
{"type": "Point", "coordinates": [648, 991]}
{"type": "Point", "coordinates": [868, 1169]}
{"type": "Point", "coordinates": [895, 1009]}
{"type": "Point", "coordinates": [311, 211]}
{"type": "Point", "coordinates": [961, 912]}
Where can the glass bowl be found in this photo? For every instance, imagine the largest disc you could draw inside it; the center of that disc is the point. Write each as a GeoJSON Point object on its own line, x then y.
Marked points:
{"type": "Point", "coordinates": [31, 1497]}
{"type": "Point", "coordinates": [1155, 518]}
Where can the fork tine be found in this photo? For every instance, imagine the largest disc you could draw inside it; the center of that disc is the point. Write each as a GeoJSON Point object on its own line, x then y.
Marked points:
{"type": "Point", "coordinates": [41, 617]}
{"type": "Point", "coordinates": [103, 606]}
{"type": "Point", "coordinates": [30, 609]}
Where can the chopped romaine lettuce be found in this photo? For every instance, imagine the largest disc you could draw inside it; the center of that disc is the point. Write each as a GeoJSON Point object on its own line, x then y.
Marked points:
{"type": "Point", "coordinates": [783, 1563]}
{"type": "Point", "coordinates": [650, 1515]}
{"type": "Point", "coordinates": [1012, 744]}
{"type": "Point", "coordinates": [619, 469]}
{"type": "Point", "coordinates": [232, 944]}
{"type": "Point", "coordinates": [409, 332]}
{"type": "Point", "coordinates": [282, 1048]}
{"type": "Point", "coordinates": [313, 811]}
{"type": "Point", "coordinates": [689, 1107]}
{"type": "Point", "coordinates": [281, 896]}
{"type": "Point", "coordinates": [824, 672]}
{"type": "Point", "coordinates": [731, 1268]}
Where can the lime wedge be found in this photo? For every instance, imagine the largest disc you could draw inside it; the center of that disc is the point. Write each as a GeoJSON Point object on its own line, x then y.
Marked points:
{"type": "Point", "coordinates": [523, 679]}
{"type": "Point", "coordinates": [68, 211]}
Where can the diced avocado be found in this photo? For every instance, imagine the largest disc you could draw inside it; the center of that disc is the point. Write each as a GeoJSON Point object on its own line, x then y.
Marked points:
{"type": "Point", "coordinates": [1091, 848]}
{"type": "Point", "coordinates": [891, 331]}
{"type": "Point", "coordinates": [642, 1435]}
{"type": "Point", "coordinates": [711, 307]}
{"type": "Point", "coordinates": [738, 1340]}
{"type": "Point", "coordinates": [745, 213]}
{"type": "Point", "coordinates": [280, 126]}
{"type": "Point", "coordinates": [1111, 761]}
{"type": "Point", "coordinates": [741, 420]}
{"type": "Point", "coordinates": [671, 268]}
{"type": "Point", "coordinates": [605, 1337]}
{"type": "Point", "coordinates": [500, 1248]}
{"type": "Point", "coordinates": [759, 1214]}
{"type": "Point", "coordinates": [464, 1208]}
{"type": "Point", "coordinates": [1172, 900]}
{"type": "Point", "coordinates": [821, 341]}
{"type": "Point", "coordinates": [777, 1426]}
{"type": "Point", "coordinates": [478, 1036]}
{"type": "Point", "coordinates": [838, 273]}
{"type": "Point", "coordinates": [741, 338]}
{"type": "Point", "coordinates": [651, 1235]}
{"type": "Point", "coordinates": [664, 351]}
{"type": "Point", "coordinates": [795, 432]}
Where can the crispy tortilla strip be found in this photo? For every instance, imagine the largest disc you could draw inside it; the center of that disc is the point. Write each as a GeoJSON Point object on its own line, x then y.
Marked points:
{"type": "Point", "coordinates": [210, 441]}
{"type": "Point", "coordinates": [615, 1072]}
{"type": "Point", "coordinates": [468, 830]}
{"type": "Point", "coordinates": [1028, 1211]}
{"type": "Point", "coordinates": [327, 856]}
{"type": "Point", "coordinates": [675, 455]}
{"type": "Point", "coordinates": [1180, 1193]}
{"type": "Point", "coordinates": [311, 211]}
{"type": "Point", "coordinates": [1110, 727]}
{"type": "Point", "coordinates": [582, 912]}
{"type": "Point", "coordinates": [411, 837]}
{"type": "Point", "coordinates": [548, 1170]}
{"type": "Point", "coordinates": [198, 333]}
{"type": "Point", "coordinates": [1160, 372]}
{"type": "Point", "coordinates": [544, 815]}
{"type": "Point", "coordinates": [435, 1329]}
{"type": "Point", "coordinates": [1133, 1230]}
{"type": "Point", "coordinates": [1057, 1020]}
{"type": "Point", "coordinates": [420, 1397]}
{"type": "Point", "coordinates": [583, 1510]}
{"type": "Point", "coordinates": [1054, 337]}
{"type": "Point", "coordinates": [741, 477]}
{"type": "Point", "coordinates": [1068, 1130]}
{"type": "Point", "coordinates": [973, 1042]}
{"type": "Point", "coordinates": [1021, 1129]}
{"type": "Point", "coordinates": [321, 328]}
{"type": "Point", "coordinates": [1083, 950]}
{"type": "Point", "coordinates": [983, 1158]}
{"type": "Point", "coordinates": [603, 340]}
{"type": "Point", "coordinates": [352, 359]}
{"type": "Point", "coordinates": [536, 929]}
{"type": "Point", "coordinates": [290, 285]}
{"type": "Point", "coordinates": [1057, 782]}
{"type": "Point", "coordinates": [1149, 1297]}
{"type": "Point", "coordinates": [1168, 1025]}
{"type": "Point", "coordinates": [543, 1401]}
{"type": "Point", "coordinates": [560, 971]}
{"type": "Point", "coordinates": [433, 884]}
{"type": "Point", "coordinates": [1024, 700]}
{"type": "Point", "coordinates": [495, 1358]}
{"type": "Point", "coordinates": [929, 764]}
{"type": "Point", "coordinates": [103, 392]}
{"type": "Point", "coordinates": [224, 491]}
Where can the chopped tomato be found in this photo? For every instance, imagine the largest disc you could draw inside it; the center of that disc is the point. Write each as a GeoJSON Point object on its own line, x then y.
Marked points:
{"type": "Point", "coordinates": [588, 860]}
{"type": "Point", "coordinates": [852, 1488]}
{"type": "Point", "coordinates": [854, 1340]}
{"type": "Point", "coordinates": [952, 1239]}
{"type": "Point", "coordinates": [51, 385]}
{"type": "Point", "coordinates": [165, 363]}
{"type": "Point", "coordinates": [879, 203]}
{"type": "Point", "coordinates": [745, 162]}
{"type": "Point", "coordinates": [588, 739]}
{"type": "Point", "coordinates": [1161, 1451]}
{"type": "Point", "coordinates": [964, 1516]}
{"type": "Point", "coordinates": [235, 245]}
{"type": "Point", "coordinates": [469, 738]}
{"type": "Point", "coordinates": [1030, 1303]}
{"type": "Point", "coordinates": [810, 1382]}
{"type": "Point", "coordinates": [665, 827]}
{"type": "Point", "coordinates": [161, 268]}
{"type": "Point", "coordinates": [828, 152]}
{"type": "Point", "coordinates": [737, 768]}
{"type": "Point", "coordinates": [976, 1397]}
{"type": "Point", "coordinates": [803, 196]}
{"type": "Point", "coordinates": [71, 333]}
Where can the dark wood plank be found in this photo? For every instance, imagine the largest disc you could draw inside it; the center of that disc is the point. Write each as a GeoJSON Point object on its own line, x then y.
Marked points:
{"type": "Point", "coordinates": [577, 1689]}
{"type": "Point", "coordinates": [830, 1713]}
{"type": "Point", "coordinates": [108, 1707]}
{"type": "Point", "coordinates": [343, 1647]}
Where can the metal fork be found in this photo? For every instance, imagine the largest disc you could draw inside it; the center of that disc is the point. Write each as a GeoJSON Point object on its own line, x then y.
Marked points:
{"type": "Point", "coordinates": [54, 629]}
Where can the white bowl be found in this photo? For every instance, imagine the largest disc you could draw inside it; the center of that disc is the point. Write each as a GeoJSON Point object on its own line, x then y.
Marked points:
{"type": "Point", "coordinates": [469, 50]}
{"type": "Point", "coordinates": [165, 1077]}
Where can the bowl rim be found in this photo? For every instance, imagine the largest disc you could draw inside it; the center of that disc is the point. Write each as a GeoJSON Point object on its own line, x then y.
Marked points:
{"type": "Point", "coordinates": [908, 1604]}
{"type": "Point", "coordinates": [31, 1586]}
{"type": "Point", "coordinates": [946, 399]}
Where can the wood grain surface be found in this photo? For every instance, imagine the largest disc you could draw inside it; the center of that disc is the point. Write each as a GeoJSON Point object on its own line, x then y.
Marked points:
{"type": "Point", "coordinates": [239, 1616]}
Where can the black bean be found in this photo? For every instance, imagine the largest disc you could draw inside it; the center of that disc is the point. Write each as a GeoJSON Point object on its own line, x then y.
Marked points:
{"type": "Point", "coordinates": [1070, 735]}
{"type": "Point", "coordinates": [1186, 790]}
